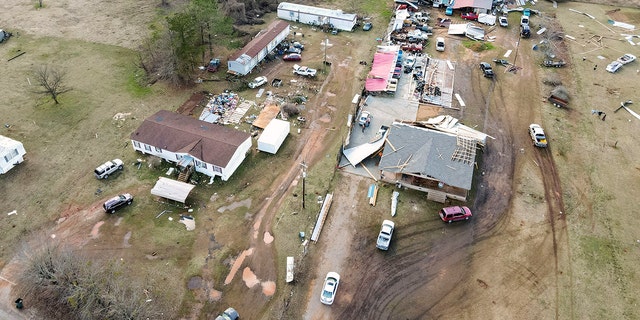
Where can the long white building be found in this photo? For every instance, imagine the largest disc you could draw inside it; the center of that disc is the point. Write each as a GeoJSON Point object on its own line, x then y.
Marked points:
{"type": "Point", "coordinates": [317, 16]}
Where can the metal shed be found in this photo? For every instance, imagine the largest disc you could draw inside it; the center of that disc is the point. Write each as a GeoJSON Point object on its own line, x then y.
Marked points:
{"type": "Point", "coordinates": [317, 16]}
{"type": "Point", "coordinates": [172, 189]}
{"type": "Point", "coordinates": [273, 136]}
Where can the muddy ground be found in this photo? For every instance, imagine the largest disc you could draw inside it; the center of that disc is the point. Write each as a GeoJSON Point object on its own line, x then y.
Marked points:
{"type": "Point", "coordinates": [547, 239]}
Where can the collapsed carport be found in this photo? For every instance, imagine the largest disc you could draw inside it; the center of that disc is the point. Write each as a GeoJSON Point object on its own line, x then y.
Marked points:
{"type": "Point", "coordinates": [172, 189]}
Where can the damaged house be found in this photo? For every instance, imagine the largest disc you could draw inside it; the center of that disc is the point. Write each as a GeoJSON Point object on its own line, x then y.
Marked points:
{"type": "Point", "coordinates": [192, 144]}
{"type": "Point", "coordinates": [438, 163]}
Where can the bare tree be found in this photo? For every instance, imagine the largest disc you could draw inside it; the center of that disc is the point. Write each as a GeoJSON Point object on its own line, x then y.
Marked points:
{"type": "Point", "coordinates": [52, 82]}
{"type": "Point", "coordinates": [64, 284]}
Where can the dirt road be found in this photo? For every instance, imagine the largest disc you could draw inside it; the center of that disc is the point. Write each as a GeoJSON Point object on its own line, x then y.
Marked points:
{"type": "Point", "coordinates": [436, 271]}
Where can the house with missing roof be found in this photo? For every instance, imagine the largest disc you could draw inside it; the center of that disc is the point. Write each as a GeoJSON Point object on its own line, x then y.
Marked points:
{"type": "Point", "coordinates": [208, 148]}
{"type": "Point", "coordinates": [438, 163]}
{"type": "Point", "coordinates": [245, 59]}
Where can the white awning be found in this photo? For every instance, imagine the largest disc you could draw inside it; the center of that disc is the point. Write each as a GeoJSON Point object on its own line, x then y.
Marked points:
{"type": "Point", "coordinates": [172, 189]}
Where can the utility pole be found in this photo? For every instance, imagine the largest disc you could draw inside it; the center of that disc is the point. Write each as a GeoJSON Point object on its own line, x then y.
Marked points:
{"type": "Point", "coordinates": [324, 61]}
{"type": "Point", "coordinates": [304, 177]}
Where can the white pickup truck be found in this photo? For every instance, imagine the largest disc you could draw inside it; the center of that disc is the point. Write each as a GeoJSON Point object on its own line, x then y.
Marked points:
{"type": "Point", "coordinates": [384, 238]}
{"type": "Point", "coordinates": [304, 71]}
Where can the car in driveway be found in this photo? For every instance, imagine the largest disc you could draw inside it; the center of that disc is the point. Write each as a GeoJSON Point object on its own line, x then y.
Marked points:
{"type": "Point", "coordinates": [117, 202]}
{"type": "Point", "coordinates": [469, 16]}
{"type": "Point", "coordinates": [292, 57]}
{"type": "Point", "coordinates": [614, 66]}
{"type": "Point", "coordinates": [107, 168]}
{"type": "Point", "coordinates": [537, 135]}
{"type": "Point", "coordinates": [304, 71]}
{"type": "Point", "coordinates": [329, 288]}
{"type": "Point", "coordinates": [298, 45]}
{"type": "Point", "coordinates": [367, 26]}
{"type": "Point", "coordinates": [293, 49]}
{"type": "Point", "coordinates": [455, 213]}
{"type": "Point", "coordinates": [448, 11]}
{"type": "Point", "coordinates": [487, 71]}
{"type": "Point", "coordinates": [364, 119]}
{"type": "Point", "coordinates": [229, 314]}
{"type": "Point", "coordinates": [408, 64]}
{"type": "Point", "coordinates": [627, 58]}
{"type": "Point", "coordinates": [257, 82]}
{"type": "Point", "coordinates": [384, 237]}
{"type": "Point", "coordinates": [503, 21]}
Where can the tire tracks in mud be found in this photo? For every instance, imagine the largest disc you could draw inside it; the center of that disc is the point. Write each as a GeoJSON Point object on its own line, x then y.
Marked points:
{"type": "Point", "coordinates": [557, 222]}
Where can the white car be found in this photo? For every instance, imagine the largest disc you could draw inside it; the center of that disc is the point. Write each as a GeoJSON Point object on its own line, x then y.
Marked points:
{"type": "Point", "coordinates": [627, 58]}
{"type": "Point", "coordinates": [259, 81]}
{"type": "Point", "coordinates": [502, 20]}
{"type": "Point", "coordinates": [537, 135]}
{"type": "Point", "coordinates": [365, 119]}
{"type": "Point", "coordinates": [107, 168]}
{"type": "Point", "coordinates": [304, 71]}
{"type": "Point", "coordinates": [384, 237]}
{"type": "Point", "coordinates": [614, 66]}
{"type": "Point", "coordinates": [408, 63]}
{"type": "Point", "coordinates": [329, 288]}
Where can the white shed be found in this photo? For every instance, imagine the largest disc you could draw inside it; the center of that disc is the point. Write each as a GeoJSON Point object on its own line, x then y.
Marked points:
{"type": "Point", "coordinates": [11, 153]}
{"type": "Point", "coordinates": [273, 136]}
{"type": "Point", "coordinates": [317, 16]}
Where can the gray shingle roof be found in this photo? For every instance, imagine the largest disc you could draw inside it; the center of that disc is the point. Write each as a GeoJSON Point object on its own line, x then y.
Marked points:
{"type": "Point", "coordinates": [425, 152]}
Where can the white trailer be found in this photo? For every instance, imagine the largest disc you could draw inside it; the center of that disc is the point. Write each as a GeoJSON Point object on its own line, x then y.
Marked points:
{"type": "Point", "coordinates": [273, 136]}
{"type": "Point", "coordinates": [11, 153]}
{"type": "Point", "coordinates": [317, 16]}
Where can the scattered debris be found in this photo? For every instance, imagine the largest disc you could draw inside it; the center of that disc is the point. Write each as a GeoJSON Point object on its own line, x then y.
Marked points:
{"type": "Point", "coordinates": [121, 116]}
{"type": "Point", "coordinates": [601, 115]}
{"type": "Point", "coordinates": [290, 267]}
{"type": "Point", "coordinates": [623, 105]}
{"type": "Point", "coordinates": [394, 203]}
{"type": "Point", "coordinates": [12, 212]}
{"type": "Point", "coordinates": [372, 194]}
{"type": "Point", "coordinates": [163, 212]}
{"type": "Point", "coordinates": [188, 221]}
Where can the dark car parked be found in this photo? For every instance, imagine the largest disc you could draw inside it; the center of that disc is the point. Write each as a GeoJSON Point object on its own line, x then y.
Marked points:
{"type": "Point", "coordinates": [486, 69]}
{"type": "Point", "coordinates": [117, 202]}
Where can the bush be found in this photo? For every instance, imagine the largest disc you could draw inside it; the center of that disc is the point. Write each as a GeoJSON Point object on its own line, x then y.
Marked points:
{"type": "Point", "coordinates": [62, 284]}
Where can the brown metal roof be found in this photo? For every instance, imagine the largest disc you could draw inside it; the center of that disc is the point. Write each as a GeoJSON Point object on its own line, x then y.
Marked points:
{"type": "Point", "coordinates": [268, 113]}
{"type": "Point", "coordinates": [260, 42]}
{"type": "Point", "coordinates": [211, 143]}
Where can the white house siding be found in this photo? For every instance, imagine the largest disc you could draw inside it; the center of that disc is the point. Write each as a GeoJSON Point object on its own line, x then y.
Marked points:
{"type": "Point", "coordinates": [210, 169]}
{"type": "Point", "coordinates": [317, 16]}
{"type": "Point", "coordinates": [236, 160]}
{"type": "Point", "coordinates": [246, 61]}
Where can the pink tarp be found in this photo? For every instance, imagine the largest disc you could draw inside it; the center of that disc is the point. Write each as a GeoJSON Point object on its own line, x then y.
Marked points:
{"type": "Point", "coordinates": [483, 4]}
{"type": "Point", "coordinates": [375, 84]}
{"type": "Point", "coordinates": [381, 70]}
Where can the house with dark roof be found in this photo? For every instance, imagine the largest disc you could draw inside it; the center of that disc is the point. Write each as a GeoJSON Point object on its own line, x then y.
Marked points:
{"type": "Point", "coordinates": [211, 149]}
{"type": "Point", "coordinates": [438, 163]}
{"type": "Point", "coordinates": [245, 59]}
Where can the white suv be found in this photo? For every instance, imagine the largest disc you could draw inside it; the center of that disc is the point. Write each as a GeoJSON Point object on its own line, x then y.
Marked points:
{"type": "Point", "coordinates": [109, 167]}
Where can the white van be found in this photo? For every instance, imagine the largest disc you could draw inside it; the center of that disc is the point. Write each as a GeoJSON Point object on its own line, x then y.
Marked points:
{"type": "Point", "coordinates": [439, 44]}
